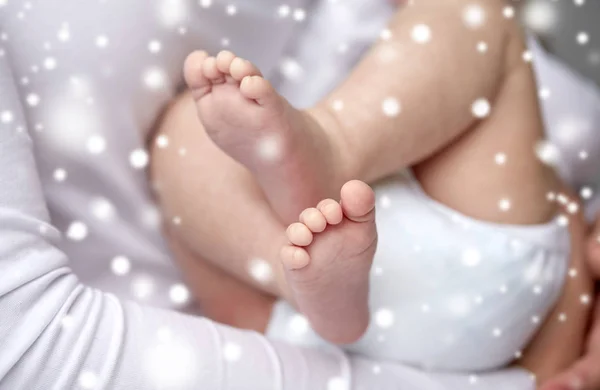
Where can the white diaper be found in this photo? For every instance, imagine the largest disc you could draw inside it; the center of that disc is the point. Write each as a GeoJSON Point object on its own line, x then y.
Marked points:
{"type": "Point", "coordinates": [449, 292]}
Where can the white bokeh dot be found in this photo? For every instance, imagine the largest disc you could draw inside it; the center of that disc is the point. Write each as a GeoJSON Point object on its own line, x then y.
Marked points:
{"type": "Point", "coordinates": [504, 204]}
{"type": "Point", "coordinates": [337, 105]}
{"type": "Point", "coordinates": [562, 317]}
{"type": "Point", "coordinates": [585, 299]}
{"type": "Point", "coordinates": [268, 148]}
{"type": "Point", "coordinates": [260, 270]}
{"type": "Point", "coordinates": [59, 175]}
{"type": "Point", "coordinates": [50, 63]}
{"type": "Point", "coordinates": [586, 193]}
{"type": "Point", "coordinates": [508, 12]}
{"type": "Point", "coordinates": [120, 265]}
{"type": "Point", "coordinates": [77, 231]}
{"type": "Point", "coordinates": [232, 352]}
{"type": "Point", "coordinates": [138, 158]}
{"type": "Point", "coordinates": [540, 16]}
{"type": "Point", "coordinates": [384, 318]}
{"type": "Point", "coordinates": [88, 380]}
{"type": "Point", "coordinates": [162, 141]}
{"type": "Point", "coordinates": [299, 324]}
{"type": "Point", "coordinates": [231, 10]}
{"type": "Point", "coordinates": [338, 383]}
{"type": "Point", "coordinates": [155, 78]}
{"type": "Point", "coordinates": [391, 107]}
{"type": "Point", "coordinates": [471, 257]}
{"type": "Point", "coordinates": [583, 38]}
{"type": "Point", "coordinates": [96, 144]}
{"type": "Point", "coordinates": [421, 33]}
{"type": "Point", "coordinates": [500, 158]}
{"type": "Point", "coordinates": [480, 108]}
{"type": "Point", "coordinates": [179, 294]}
{"type": "Point", "coordinates": [102, 41]}
{"type": "Point", "coordinates": [482, 47]}
{"type": "Point", "coordinates": [547, 152]}
{"type": "Point", "coordinates": [142, 287]}
{"type": "Point", "coordinates": [299, 15]}
{"type": "Point", "coordinates": [102, 209]}
{"type": "Point", "coordinates": [474, 16]}
{"type": "Point", "coordinates": [154, 46]}
{"type": "Point", "coordinates": [385, 34]}
{"type": "Point", "coordinates": [544, 93]}
{"type": "Point", "coordinates": [6, 117]}
{"type": "Point", "coordinates": [32, 99]}
{"type": "Point", "coordinates": [284, 11]}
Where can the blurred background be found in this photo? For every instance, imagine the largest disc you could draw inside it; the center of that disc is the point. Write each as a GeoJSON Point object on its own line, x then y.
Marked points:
{"type": "Point", "coordinates": [568, 28]}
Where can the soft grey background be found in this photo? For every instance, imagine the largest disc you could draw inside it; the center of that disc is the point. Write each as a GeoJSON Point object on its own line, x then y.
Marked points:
{"type": "Point", "coordinates": [559, 22]}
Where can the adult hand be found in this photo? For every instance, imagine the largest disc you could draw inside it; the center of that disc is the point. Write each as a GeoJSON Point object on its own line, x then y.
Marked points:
{"type": "Point", "coordinates": [585, 373]}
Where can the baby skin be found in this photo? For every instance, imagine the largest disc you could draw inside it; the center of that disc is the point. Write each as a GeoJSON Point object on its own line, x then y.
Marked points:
{"type": "Point", "coordinates": [275, 164]}
{"type": "Point", "coordinates": [331, 248]}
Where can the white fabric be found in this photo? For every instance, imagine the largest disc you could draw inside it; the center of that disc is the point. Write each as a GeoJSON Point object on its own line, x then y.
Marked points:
{"type": "Point", "coordinates": [97, 104]}
{"type": "Point", "coordinates": [450, 293]}
{"type": "Point", "coordinates": [86, 87]}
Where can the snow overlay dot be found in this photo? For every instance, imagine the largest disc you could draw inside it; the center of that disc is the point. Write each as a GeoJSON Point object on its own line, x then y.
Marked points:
{"type": "Point", "coordinates": [6, 117]}
{"type": "Point", "coordinates": [480, 108]}
{"type": "Point", "coordinates": [547, 152]}
{"type": "Point", "coordinates": [421, 33]}
{"type": "Point", "coordinates": [299, 324]}
{"type": "Point", "coordinates": [500, 158]}
{"type": "Point", "coordinates": [77, 231]}
{"type": "Point", "coordinates": [504, 204]}
{"type": "Point", "coordinates": [59, 175]}
{"type": "Point", "coordinates": [120, 265]}
{"type": "Point", "coordinates": [384, 318]}
{"type": "Point", "coordinates": [179, 294]}
{"type": "Point", "coordinates": [232, 352]}
{"type": "Point", "coordinates": [471, 257]}
{"type": "Point", "coordinates": [586, 193]}
{"type": "Point", "coordinates": [338, 383]}
{"type": "Point", "coordinates": [102, 209]}
{"type": "Point", "coordinates": [260, 270]}
{"type": "Point", "coordinates": [482, 47]}
{"type": "Point", "coordinates": [102, 41]}
{"type": "Point", "coordinates": [138, 158]}
{"type": "Point", "coordinates": [154, 46]}
{"type": "Point", "coordinates": [88, 380]}
{"type": "Point", "coordinates": [583, 38]}
{"type": "Point", "coordinates": [142, 287]}
{"type": "Point", "coordinates": [508, 12]}
{"type": "Point", "coordinates": [269, 148]}
{"type": "Point", "coordinates": [33, 99]}
{"type": "Point", "coordinates": [96, 144]}
{"type": "Point", "coordinates": [474, 16]}
{"type": "Point", "coordinates": [391, 107]}
{"type": "Point", "coordinates": [162, 141]}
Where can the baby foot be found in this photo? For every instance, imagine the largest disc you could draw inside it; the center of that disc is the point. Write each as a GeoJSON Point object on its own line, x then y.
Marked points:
{"type": "Point", "coordinates": [328, 261]}
{"type": "Point", "coordinates": [286, 149]}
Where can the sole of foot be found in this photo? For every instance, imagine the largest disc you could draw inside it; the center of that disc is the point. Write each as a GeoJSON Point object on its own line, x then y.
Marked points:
{"type": "Point", "coordinates": [328, 261]}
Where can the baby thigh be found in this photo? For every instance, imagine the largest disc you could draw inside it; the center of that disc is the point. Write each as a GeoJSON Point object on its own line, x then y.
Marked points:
{"type": "Point", "coordinates": [213, 209]}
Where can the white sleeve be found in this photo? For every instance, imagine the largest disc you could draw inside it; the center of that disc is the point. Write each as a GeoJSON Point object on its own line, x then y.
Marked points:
{"type": "Point", "coordinates": [56, 333]}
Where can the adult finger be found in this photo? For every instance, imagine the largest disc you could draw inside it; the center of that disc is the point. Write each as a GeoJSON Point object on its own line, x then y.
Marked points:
{"type": "Point", "coordinates": [593, 248]}
{"type": "Point", "coordinates": [583, 375]}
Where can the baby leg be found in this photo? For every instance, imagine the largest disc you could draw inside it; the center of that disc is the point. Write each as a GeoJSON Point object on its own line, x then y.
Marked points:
{"type": "Point", "coordinates": [328, 263]}
{"type": "Point", "coordinates": [287, 150]}
{"type": "Point", "coordinates": [212, 205]}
